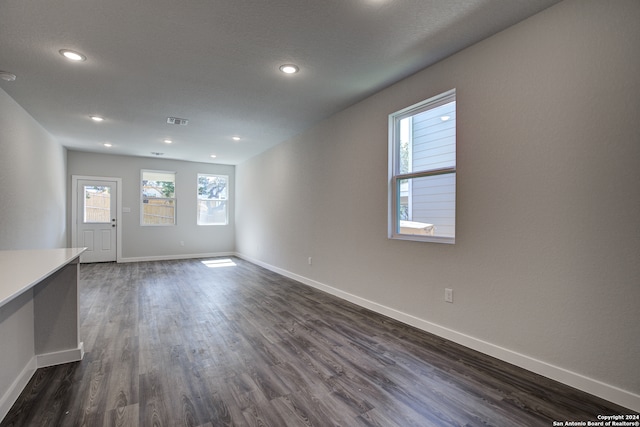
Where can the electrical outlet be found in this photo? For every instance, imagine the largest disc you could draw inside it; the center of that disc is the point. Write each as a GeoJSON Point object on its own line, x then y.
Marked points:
{"type": "Point", "coordinates": [448, 295]}
{"type": "Point", "coordinates": [309, 260]}
{"type": "Point", "coordinates": [181, 242]}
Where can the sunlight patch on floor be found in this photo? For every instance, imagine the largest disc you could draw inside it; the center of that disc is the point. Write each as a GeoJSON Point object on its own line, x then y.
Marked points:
{"type": "Point", "coordinates": [217, 263]}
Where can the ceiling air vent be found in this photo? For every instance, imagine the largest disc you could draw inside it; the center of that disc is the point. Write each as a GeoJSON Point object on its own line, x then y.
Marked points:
{"type": "Point", "coordinates": [177, 121]}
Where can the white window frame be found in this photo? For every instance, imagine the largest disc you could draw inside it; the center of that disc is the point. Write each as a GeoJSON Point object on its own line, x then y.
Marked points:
{"type": "Point", "coordinates": [174, 198]}
{"type": "Point", "coordinates": [395, 175]}
{"type": "Point", "coordinates": [226, 221]}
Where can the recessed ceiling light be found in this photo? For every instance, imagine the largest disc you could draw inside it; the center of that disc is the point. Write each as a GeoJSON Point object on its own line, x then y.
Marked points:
{"type": "Point", "coordinates": [156, 153]}
{"type": "Point", "coordinates": [168, 141]}
{"type": "Point", "coordinates": [7, 77]}
{"type": "Point", "coordinates": [97, 118]}
{"type": "Point", "coordinates": [236, 138]}
{"type": "Point", "coordinates": [289, 68]}
{"type": "Point", "coordinates": [72, 56]}
{"type": "Point", "coordinates": [106, 144]}
{"type": "Point", "coordinates": [445, 118]}
{"type": "Point", "coordinates": [213, 156]}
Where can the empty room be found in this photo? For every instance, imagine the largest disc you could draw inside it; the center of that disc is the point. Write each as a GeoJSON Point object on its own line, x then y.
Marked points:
{"type": "Point", "coordinates": [320, 213]}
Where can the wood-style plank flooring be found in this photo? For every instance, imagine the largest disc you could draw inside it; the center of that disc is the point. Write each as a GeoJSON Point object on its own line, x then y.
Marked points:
{"type": "Point", "coordinates": [180, 343]}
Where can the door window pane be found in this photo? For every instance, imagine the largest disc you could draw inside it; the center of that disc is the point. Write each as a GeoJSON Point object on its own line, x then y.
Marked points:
{"type": "Point", "coordinates": [97, 204]}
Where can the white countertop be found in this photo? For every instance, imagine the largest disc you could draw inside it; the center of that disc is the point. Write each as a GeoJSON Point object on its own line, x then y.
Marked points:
{"type": "Point", "coordinates": [23, 269]}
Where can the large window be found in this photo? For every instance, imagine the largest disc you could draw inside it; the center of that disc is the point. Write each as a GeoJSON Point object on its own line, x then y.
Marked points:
{"type": "Point", "coordinates": [213, 194]}
{"type": "Point", "coordinates": [158, 198]}
{"type": "Point", "coordinates": [422, 171]}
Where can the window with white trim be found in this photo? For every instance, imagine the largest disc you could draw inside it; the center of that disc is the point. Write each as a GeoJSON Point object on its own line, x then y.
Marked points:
{"type": "Point", "coordinates": [158, 198]}
{"type": "Point", "coordinates": [422, 171]}
{"type": "Point", "coordinates": [213, 195]}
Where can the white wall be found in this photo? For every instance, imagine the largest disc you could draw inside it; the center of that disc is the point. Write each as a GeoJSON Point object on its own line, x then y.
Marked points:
{"type": "Point", "coordinates": [546, 265]}
{"type": "Point", "coordinates": [32, 182]}
{"type": "Point", "coordinates": [32, 216]}
{"type": "Point", "coordinates": [148, 242]}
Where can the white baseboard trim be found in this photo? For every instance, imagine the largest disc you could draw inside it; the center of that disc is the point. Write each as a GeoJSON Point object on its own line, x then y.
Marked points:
{"type": "Point", "coordinates": [605, 391]}
{"type": "Point", "coordinates": [60, 357]}
{"type": "Point", "coordinates": [173, 257]}
{"type": "Point", "coordinates": [13, 392]}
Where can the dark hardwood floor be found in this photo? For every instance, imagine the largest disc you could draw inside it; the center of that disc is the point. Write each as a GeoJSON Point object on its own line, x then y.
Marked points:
{"type": "Point", "coordinates": [178, 343]}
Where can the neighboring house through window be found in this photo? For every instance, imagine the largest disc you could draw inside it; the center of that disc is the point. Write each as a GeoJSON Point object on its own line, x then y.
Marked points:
{"type": "Point", "coordinates": [422, 170]}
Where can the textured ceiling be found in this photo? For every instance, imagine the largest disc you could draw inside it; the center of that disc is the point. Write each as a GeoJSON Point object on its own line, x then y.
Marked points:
{"type": "Point", "coordinates": [215, 63]}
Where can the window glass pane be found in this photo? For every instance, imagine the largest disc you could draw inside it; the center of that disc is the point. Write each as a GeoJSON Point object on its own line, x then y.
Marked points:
{"type": "Point", "coordinates": [97, 204]}
{"type": "Point", "coordinates": [212, 212]}
{"type": "Point", "coordinates": [156, 184]}
{"type": "Point", "coordinates": [158, 211]}
{"type": "Point", "coordinates": [428, 139]}
{"type": "Point", "coordinates": [427, 206]}
{"type": "Point", "coordinates": [212, 199]}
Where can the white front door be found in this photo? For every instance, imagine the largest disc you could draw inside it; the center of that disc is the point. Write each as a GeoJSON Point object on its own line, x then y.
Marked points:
{"type": "Point", "coordinates": [96, 220]}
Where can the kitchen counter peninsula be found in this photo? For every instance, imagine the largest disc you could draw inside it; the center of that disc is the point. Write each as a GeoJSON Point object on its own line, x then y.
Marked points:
{"type": "Point", "coordinates": [39, 323]}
